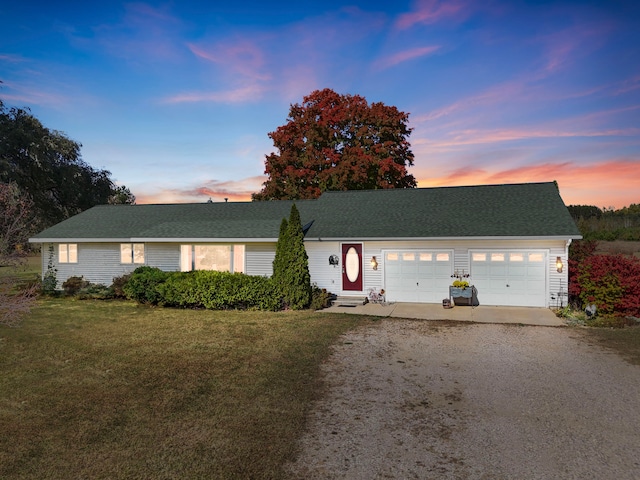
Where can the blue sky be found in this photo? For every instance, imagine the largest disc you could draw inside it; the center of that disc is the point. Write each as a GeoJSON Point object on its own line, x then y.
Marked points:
{"type": "Point", "coordinates": [176, 98]}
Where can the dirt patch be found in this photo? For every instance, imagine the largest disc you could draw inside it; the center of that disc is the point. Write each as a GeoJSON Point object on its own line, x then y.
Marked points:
{"type": "Point", "coordinates": [415, 399]}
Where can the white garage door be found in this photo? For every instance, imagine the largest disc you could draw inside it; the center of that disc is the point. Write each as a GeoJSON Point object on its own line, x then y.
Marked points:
{"type": "Point", "coordinates": [417, 276]}
{"type": "Point", "coordinates": [512, 278]}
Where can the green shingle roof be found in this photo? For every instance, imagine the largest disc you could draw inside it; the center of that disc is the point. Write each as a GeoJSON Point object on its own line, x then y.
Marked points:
{"type": "Point", "coordinates": [514, 210]}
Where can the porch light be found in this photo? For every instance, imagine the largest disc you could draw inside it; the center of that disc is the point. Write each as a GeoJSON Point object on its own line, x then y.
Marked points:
{"type": "Point", "coordinates": [559, 264]}
{"type": "Point", "coordinates": [374, 263]}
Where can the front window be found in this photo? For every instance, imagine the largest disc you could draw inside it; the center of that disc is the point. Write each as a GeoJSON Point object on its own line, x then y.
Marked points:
{"type": "Point", "coordinates": [132, 253]}
{"type": "Point", "coordinates": [68, 253]}
{"type": "Point", "coordinates": [222, 258]}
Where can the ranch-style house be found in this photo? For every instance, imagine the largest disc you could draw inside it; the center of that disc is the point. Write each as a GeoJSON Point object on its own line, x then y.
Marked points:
{"type": "Point", "coordinates": [511, 240]}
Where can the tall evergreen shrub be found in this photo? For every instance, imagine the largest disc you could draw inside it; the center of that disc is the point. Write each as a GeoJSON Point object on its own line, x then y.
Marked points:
{"type": "Point", "coordinates": [281, 259]}
{"type": "Point", "coordinates": [291, 265]}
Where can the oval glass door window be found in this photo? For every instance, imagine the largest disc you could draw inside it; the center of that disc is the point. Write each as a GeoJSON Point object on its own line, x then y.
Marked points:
{"type": "Point", "coordinates": [352, 265]}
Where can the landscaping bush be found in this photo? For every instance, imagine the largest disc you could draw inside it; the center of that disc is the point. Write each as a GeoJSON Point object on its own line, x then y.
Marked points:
{"type": "Point", "coordinates": [320, 298]}
{"type": "Point", "coordinates": [95, 291]}
{"type": "Point", "coordinates": [143, 285]}
{"type": "Point", "coordinates": [73, 285]}
{"type": "Point", "coordinates": [219, 291]}
{"type": "Point", "coordinates": [611, 282]}
{"type": "Point", "coordinates": [118, 284]}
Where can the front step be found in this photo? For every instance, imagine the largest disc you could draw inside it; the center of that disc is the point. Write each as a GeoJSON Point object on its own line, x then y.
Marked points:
{"type": "Point", "coordinates": [345, 301]}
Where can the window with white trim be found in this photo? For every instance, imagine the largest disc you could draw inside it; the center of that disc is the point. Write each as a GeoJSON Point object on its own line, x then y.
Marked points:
{"type": "Point", "coordinates": [222, 258]}
{"type": "Point", "coordinates": [132, 253]}
{"type": "Point", "coordinates": [68, 253]}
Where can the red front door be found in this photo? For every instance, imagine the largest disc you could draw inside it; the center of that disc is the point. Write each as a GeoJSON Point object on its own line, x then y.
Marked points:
{"type": "Point", "coordinates": [352, 266]}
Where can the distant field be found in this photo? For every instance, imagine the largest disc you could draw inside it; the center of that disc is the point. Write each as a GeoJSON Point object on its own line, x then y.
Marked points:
{"type": "Point", "coordinates": [619, 246]}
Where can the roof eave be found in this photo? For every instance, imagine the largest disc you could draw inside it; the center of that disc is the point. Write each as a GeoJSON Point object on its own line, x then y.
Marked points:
{"type": "Point", "coordinates": [151, 240]}
{"type": "Point", "coordinates": [495, 237]}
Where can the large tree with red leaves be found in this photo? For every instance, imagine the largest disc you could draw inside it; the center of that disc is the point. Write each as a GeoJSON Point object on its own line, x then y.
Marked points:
{"type": "Point", "coordinates": [338, 142]}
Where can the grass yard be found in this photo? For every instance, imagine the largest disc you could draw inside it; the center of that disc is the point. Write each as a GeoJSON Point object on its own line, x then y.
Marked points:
{"type": "Point", "coordinates": [29, 269]}
{"type": "Point", "coordinates": [92, 389]}
{"type": "Point", "coordinates": [625, 341]}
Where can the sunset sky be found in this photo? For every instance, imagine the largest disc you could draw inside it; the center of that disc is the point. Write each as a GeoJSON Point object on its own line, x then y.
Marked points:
{"type": "Point", "coordinates": [176, 98]}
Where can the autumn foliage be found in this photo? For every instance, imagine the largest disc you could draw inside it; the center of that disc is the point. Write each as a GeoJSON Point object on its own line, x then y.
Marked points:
{"type": "Point", "coordinates": [338, 142]}
{"type": "Point", "coordinates": [611, 282]}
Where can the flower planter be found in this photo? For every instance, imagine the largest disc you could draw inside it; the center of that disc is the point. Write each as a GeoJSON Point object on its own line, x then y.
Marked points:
{"type": "Point", "coordinates": [464, 296]}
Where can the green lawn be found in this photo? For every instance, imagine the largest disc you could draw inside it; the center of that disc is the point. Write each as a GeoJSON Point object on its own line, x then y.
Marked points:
{"type": "Point", "coordinates": [92, 389]}
{"type": "Point", "coordinates": [29, 269]}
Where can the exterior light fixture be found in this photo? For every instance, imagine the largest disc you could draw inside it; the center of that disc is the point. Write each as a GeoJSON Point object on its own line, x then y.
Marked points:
{"type": "Point", "coordinates": [559, 264]}
{"type": "Point", "coordinates": [374, 263]}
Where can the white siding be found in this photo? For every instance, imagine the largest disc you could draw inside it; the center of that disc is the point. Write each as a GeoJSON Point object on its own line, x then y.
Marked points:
{"type": "Point", "coordinates": [322, 274]}
{"type": "Point", "coordinates": [558, 282]}
{"type": "Point", "coordinates": [165, 256]}
{"type": "Point", "coordinates": [97, 263]}
{"type": "Point", "coordinates": [259, 258]}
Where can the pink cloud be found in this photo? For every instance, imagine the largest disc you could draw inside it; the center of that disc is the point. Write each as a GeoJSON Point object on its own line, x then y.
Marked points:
{"type": "Point", "coordinates": [234, 191]}
{"type": "Point", "coordinates": [476, 137]}
{"type": "Point", "coordinates": [499, 93]}
{"type": "Point", "coordinates": [404, 56]}
{"type": "Point", "coordinates": [244, 58]}
{"type": "Point", "coordinates": [628, 85]}
{"type": "Point", "coordinates": [565, 46]}
{"type": "Point", "coordinates": [145, 33]}
{"type": "Point", "coordinates": [432, 11]}
{"type": "Point", "coordinates": [20, 94]}
{"type": "Point", "coordinates": [238, 95]}
{"type": "Point", "coordinates": [611, 183]}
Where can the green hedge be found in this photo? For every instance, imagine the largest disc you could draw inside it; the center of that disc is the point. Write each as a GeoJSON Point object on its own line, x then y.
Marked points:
{"type": "Point", "coordinates": [143, 284]}
{"type": "Point", "coordinates": [202, 289]}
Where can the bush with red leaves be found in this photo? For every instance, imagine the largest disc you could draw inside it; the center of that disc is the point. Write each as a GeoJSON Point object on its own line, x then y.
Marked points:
{"type": "Point", "coordinates": [611, 282]}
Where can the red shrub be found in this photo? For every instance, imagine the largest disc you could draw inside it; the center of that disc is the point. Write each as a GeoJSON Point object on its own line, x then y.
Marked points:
{"type": "Point", "coordinates": [612, 282]}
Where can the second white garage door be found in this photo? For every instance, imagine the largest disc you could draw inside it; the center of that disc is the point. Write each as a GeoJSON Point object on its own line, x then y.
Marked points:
{"type": "Point", "coordinates": [418, 276]}
{"type": "Point", "coordinates": [512, 278]}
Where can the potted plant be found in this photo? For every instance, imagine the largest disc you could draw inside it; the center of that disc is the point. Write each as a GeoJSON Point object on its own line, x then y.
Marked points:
{"type": "Point", "coordinates": [461, 292]}
{"type": "Point", "coordinates": [460, 288]}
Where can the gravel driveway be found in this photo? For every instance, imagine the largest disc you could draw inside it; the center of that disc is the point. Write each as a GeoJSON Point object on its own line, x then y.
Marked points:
{"type": "Point", "coordinates": [425, 400]}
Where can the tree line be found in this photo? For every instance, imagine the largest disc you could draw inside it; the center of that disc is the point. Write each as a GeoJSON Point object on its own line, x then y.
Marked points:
{"type": "Point", "coordinates": [607, 223]}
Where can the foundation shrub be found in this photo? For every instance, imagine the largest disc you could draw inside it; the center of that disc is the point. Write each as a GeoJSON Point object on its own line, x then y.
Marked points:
{"type": "Point", "coordinates": [95, 291]}
{"type": "Point", "coordinates": [219, 291]}
{"type": "Point", "coordinates": [143, 285]}
{"type": "Point", "coordinates": [320, 298]}
{"type": "Point", "coordinates": [118, 284]}
{"type": "Point", "coordinates": [73, 285]}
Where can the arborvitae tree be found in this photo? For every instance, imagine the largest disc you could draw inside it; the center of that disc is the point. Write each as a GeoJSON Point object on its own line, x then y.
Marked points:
{"type": "Point", "coordinates": [297, 280]}
{"type": "Point", "coordinates": [281, 259]}
{"type": "Point", "coordinates": [291, 264]}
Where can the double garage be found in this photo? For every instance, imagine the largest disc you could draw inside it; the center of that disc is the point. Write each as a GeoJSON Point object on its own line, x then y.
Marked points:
{"type": "Point", "coordinates": [501, 277]}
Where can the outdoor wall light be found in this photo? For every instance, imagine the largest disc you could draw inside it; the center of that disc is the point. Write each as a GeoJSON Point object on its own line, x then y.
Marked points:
{"type": "Point", "coordinates": [559, 264]}
{"type": "Point", "coordinates": [374, 263]}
